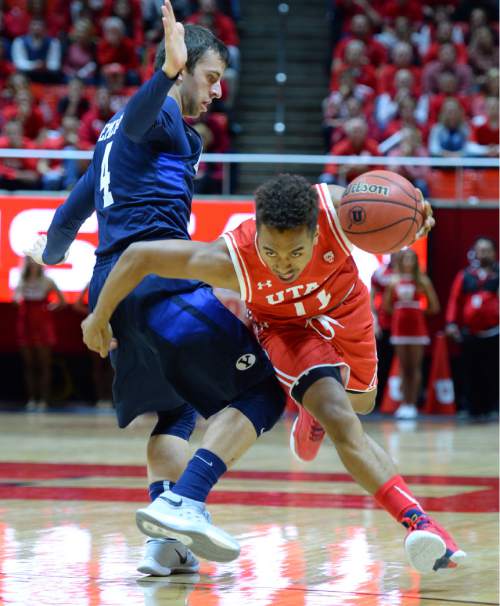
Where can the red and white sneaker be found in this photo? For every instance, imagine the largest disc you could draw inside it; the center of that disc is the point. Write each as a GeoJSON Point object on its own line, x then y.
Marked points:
{"type": "Point", "coordinates": [306, 436]}
{"type": "Point", "coordinates": [428, 546]}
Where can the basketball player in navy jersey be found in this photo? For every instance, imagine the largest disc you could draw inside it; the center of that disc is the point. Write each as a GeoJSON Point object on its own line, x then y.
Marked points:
{"type": "Point", "coordinates": [140, 183]}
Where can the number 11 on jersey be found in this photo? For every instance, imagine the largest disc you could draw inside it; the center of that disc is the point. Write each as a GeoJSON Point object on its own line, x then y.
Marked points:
{"type": "Point", "coordinates": [105, 180]}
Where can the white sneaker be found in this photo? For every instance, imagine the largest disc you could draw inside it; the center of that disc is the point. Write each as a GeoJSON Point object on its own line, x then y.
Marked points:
{"type": "Point", "coordinates": [171, 515]}
{"type": "Point", "coordinates": [164, 557]}
{"type": "Point", "coordinates": [406, 411]}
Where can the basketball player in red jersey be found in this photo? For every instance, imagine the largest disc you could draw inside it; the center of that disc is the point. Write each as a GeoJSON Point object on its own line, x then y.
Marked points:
{"type": "Point", "coordinates": [311, 312]}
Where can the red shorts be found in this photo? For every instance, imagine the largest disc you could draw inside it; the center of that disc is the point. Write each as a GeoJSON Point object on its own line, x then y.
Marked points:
{"type": "Point", "coordinates": [409, 326]}
{"type": "Point", "coordinates": [344, 337]}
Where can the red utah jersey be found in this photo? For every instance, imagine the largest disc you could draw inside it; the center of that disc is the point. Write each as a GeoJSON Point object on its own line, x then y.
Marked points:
{"type": "Point", "coordinates": [327, 280]}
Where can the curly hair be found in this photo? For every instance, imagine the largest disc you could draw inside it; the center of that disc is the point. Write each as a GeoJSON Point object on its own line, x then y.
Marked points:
{"type": "Point", "coordinates": [198, 40]}
{"type": "Point", "coordinates": [286, 202]}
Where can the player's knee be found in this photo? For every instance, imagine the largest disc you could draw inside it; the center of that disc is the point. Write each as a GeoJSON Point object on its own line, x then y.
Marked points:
{"type": "Point", "coordinates": [363, 403]}
{"type": "Point", "coordinates": [328, 402]}
{"type": "Point", "coordinates": [263, 405]}
{"type": "Point", "coordinates": [178, 422]}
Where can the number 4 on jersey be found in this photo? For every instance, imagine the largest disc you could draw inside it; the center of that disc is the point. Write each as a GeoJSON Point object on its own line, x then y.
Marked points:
{"type": "Point", "coordinates": [106, 178]}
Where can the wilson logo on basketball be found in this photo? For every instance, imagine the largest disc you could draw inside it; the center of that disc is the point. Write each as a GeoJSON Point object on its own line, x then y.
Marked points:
{"type": "Point", "coordinates": [357, 215]}
{"type": "Point", "coordinates": [365, 188]}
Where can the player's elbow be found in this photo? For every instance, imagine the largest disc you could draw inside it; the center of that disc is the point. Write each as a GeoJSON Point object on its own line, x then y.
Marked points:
{"type": "Point", "coordinates": [137, 260]}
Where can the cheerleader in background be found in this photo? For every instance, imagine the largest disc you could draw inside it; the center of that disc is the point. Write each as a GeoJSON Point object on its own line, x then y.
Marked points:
{"type": "Point", "coordinates": [406, 297]}
{"type": "Point", "coordinates": [380, 280]}
{"type": "Point", "coordinates": [35, 329]}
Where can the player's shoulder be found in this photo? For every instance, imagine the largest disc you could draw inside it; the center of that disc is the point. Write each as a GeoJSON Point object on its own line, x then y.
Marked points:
{"type": "Point", "coordinates": [245, 232]}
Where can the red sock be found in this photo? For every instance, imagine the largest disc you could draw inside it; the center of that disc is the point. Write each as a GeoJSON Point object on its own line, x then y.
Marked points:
{"type": "Point", "coordinates": [395, 497]}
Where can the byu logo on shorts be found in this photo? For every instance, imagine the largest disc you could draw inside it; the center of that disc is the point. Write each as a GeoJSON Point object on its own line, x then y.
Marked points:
{"type": "Point", "coordinates": [245, 361]}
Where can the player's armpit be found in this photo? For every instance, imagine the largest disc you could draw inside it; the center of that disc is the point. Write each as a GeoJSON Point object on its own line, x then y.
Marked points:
{"type": "Point", "coordinates": [336, 192]}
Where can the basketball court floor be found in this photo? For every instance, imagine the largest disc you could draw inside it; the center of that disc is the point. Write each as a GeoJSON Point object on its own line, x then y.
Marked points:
{"type": "Point", "coordinates": [70, 484]}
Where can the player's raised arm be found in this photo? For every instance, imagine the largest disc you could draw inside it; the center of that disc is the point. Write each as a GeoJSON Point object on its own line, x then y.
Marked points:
{"type": "Point", "coordinates": [142, 110]}
{"type": "Point", "coordinates": [208, 262]}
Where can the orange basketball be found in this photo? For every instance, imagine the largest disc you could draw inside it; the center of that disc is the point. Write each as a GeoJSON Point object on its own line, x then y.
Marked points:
{"type": "Point", "coordinates": [381, 212]}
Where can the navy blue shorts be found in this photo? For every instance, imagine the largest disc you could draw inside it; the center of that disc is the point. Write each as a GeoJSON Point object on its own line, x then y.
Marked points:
{"type": "Point", "coordinates": [178, 344]}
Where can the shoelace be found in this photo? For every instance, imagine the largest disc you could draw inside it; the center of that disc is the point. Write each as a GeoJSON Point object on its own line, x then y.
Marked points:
{"type": "Point", "coordinates": [416, 522]}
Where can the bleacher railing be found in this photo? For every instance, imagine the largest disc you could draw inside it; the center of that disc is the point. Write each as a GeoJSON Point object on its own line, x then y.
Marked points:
{"type": "Point", "coordinates": [282, 161]}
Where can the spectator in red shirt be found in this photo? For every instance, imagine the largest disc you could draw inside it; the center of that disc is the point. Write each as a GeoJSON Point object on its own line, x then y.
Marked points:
{"type": "Point", "coordinates": [447, 61]}
{"type": "Point", "coordinates": [447, 87]}
{"type": "Point", "coordinates": [338, 106]}
{"type": "Point", "coordinates": [114, 81]}
{"type": "Point", "coordinates": [115, 47]}
{"type": "Point", "coordinates": [483, 51]}
{"type": "Point", "coordinates": [16, 21]}
{"type": "Point", "coordinates": [388, 106]}
{"type": "Point", "coordinates": [6, 67]}
{"type": "Point", "coordinates": [25, 110]}
{"type": "Point", "coordinates": [399, 31]}
{"type": "Point", "coordinates": [356, 61]}
{"type": "Point", "coordinates": [130, 12]}
{"type": "Point", "coordinates": [361, 30]}
{"type": "Point", "coordinates": [347, 9]}
{"type": "Point", "coordinates": [356, 143]}
{"type": "Point", "coordinates": [402, 57]}
{"type": "Point", "coordinates": [485, 130]}
{"type": "Point", "coordinates": [15, 83]}
{"type": "Point", "coordinates": [408, 116]}
{"type": "Point", "coordinates": [444, 35]}
{"type": "Point", "coordinates": [472, 320]}
{"type": "Point", "coordinates": [80, 57]}
{"type": "Point", "coordinates": [17, 173]}
{"type": "Point", "coordinates": [213, 19]}
{"type": "Point", "coordinates": [94, 120]}
{"type": "Point", "coordinates": [392, 9]}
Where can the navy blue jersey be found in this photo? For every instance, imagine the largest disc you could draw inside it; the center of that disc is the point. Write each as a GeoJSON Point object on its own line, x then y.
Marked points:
{"type": "Point", "coordinates": [140, 180]}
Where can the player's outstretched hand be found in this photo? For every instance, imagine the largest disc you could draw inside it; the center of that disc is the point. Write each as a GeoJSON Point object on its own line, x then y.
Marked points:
{"type": "Point", "coordinates": [429, 220]}
{"type": "Point", "coordinates": [97, 335]}
{"type": "Point", "coordinates": [175, 47]}
{"type": "Point", "coordinates": [35, 251]}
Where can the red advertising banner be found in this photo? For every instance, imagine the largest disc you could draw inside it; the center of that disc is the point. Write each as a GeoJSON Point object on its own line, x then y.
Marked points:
{"type": "Point", "coordinates": [22, 219]}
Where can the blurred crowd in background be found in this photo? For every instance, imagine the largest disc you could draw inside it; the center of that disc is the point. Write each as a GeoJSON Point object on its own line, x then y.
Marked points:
{"type": "Point", "coordinates": [411, 78]}
{"type": "Point", "coordinates": [67, 66]}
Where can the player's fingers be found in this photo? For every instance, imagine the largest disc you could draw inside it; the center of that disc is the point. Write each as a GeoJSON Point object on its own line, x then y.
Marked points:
{"type": "Point", "coordinates": [113, 345]}
{"type": "Point", "coordinates": [168, 11]}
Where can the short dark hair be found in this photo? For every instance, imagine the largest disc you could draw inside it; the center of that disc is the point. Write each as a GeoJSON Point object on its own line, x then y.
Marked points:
{"type": "Point", "coordinates": [198, 40]}
{"type": "Point", "coordinates": [287, 202]}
